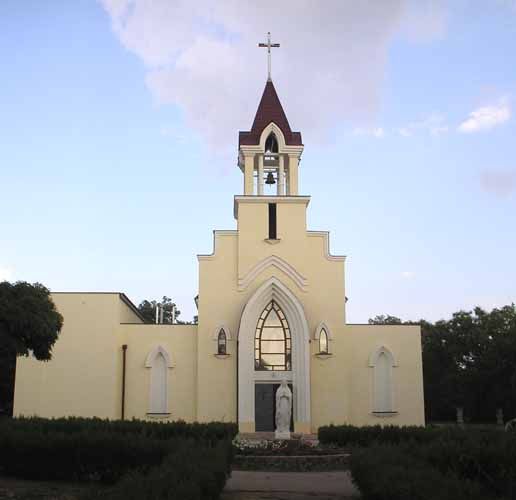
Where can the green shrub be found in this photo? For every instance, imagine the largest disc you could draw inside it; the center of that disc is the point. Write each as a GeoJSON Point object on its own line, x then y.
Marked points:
{"type": "Point", "coordinates": [142, 460]}
{"type": "Point", "coordinates": [388, 473]}
{"type": "Point", "coordinates": [81, 456]}
{"type": "Point", "coordinates": [208, 432]}
{"type": "Point", "coordinates": [348, 435]}
{"type": "Point", "coordinates": [188, 473]}
{"type": "Point", "coordinates": [491, 463]}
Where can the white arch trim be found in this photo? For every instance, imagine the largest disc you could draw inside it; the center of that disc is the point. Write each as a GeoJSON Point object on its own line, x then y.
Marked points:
{"type": "Point", "coordinates": [215, 335]}
{"type": "Point", "coordinates": [278, 263]}
{"type": "Point", "coordinates": [152, 355]}
{"type": "Point", "coordinates": [322, 325]}
{"type": "Point", "coordinates": [274, 289]}
{"type": "Point", "coordinates": [373, 358]}
{"type": "Point", "coordinates": [272, 128]}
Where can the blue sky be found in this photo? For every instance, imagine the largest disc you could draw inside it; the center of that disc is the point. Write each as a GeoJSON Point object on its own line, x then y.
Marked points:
{"type": "Point", "coordinates": [118, 141]}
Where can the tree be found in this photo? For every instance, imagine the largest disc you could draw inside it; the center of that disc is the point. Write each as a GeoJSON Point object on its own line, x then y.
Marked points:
{"type": "Point", "coordinates": [383, 319]}
{"type": "Point", "coordinates": [29, 324]}
{"type": "Point", "coordinates": [170, 311]}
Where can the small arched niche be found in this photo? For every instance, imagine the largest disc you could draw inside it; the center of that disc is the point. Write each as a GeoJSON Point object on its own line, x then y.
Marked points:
{"type": "Point", "coordinates": [158, 361]}
{"type": "Point", "coordinates": [382, 361]}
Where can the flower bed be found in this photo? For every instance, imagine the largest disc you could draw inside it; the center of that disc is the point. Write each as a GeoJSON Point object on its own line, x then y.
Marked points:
{"type": "Point", "coordinates": [292, 463]}
{"type": "Point", "coordinates": [287, 455]}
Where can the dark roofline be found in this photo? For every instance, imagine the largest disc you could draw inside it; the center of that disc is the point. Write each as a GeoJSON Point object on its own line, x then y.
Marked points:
{"type": "Point", "coordinates": [269, 111]}
{"type": "Point", "coordinates": [131, 306]}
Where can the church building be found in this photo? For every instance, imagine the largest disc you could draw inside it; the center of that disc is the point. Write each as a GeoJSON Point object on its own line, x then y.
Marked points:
{"type": "Point", "coordinates": [271, 307]}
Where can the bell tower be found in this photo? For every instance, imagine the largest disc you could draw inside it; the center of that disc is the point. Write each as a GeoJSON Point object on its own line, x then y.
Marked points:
{"type": "Point", "coordinates": [269, 154]}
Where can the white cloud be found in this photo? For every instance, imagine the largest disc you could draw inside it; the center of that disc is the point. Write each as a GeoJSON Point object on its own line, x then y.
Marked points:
{"type": "Point", "coordinates": [6, 273]}
{"type": "Point", "coordinates": [424, 20]}
{"type": "Point", "coordinates": [203, 58]}
{"type": "Point", "coordinates": [501, 183]}
{"type": "Point", "coordinates": [486, 117]}
{"type": "Point", "coordinates": [408, 275]}
{"type": "Point", "coordinates": [377, 132]}
{"type": "Point", "coordinates": [434, 124]}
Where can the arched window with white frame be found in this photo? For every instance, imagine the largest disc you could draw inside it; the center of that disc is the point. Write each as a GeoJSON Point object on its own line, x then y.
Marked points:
{"type": "Point", "coordinates": [222, 342]}
{"type": "Point", "coordinates": [159, 362]}
{"type": "Point", "coordinates": [324, 348]}
{"type": "Point", "coordinates": [382, 361]}
{"type": "Point", "coordinates": [322, 338]}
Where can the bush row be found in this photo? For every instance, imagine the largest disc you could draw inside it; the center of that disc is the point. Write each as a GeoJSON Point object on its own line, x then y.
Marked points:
{"type": "Point", "coordinates": [137, 460]}
{"type": "Point", "coordinates": [209, 432]}
{"type": "Point", "coordinates": [468, 468]}
{"type": "Point", "coordinates": [387, 473]}
{"type": "Point", "coordinates": [348, 435]}
{"type": "Point", "coordinates": [82, 456]}
{"type": "Point", "coordinates": [192, 471]}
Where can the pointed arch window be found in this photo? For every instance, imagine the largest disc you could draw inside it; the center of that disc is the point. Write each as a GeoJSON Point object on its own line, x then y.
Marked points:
{"type": "Point", "coordinates": [272, 343]}
{"type": "Point", "coordinates": [323, 342]}
{"type": "Point", "coordinates": [222, 342]}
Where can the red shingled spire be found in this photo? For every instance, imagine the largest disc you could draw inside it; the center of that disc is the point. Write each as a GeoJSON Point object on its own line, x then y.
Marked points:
{"type": "Point", "coordinates": [269, 110]}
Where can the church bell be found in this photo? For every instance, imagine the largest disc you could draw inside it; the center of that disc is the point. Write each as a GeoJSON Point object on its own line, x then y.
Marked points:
{"type": "Point", "coordinates": [270, 179]}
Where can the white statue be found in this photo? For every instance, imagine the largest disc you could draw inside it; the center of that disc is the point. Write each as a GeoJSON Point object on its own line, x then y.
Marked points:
{"type": "Point", "coordinates": [283, 411]}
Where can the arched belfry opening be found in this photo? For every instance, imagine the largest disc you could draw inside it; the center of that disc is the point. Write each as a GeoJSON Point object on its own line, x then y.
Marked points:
{"type": "Point", "coordinates": [273, 344]}
{"type": "Point", "coordinates": [271, 146]}
{"type": "Point", "coordinates": [273, 168]}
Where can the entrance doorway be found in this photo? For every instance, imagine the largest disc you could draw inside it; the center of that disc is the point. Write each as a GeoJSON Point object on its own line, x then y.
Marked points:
{"type": "Point", "coordinates": [265, 407]}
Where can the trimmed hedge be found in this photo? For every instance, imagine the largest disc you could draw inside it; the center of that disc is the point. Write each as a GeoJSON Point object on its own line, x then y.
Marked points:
{"type": "Point", "coordinates": [209, 432]}
{"type": "Point", "coordinates": [387, 473]}
{"type": "Point", "coordinates": [453, 466]}
{"type": "Point", "coordinates": [349, 435]}
{"type": "Point", "coordinates": [141, 460]}
{"type": "Point", "coordinates": [81, 456]}
{"type": "Point", "coordinates": [188, 473]}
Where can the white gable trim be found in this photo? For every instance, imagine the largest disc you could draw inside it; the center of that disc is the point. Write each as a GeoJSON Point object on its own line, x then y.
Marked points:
{"type": "Point", "coordinates": [373, 358]}
{"type": "Point", "coordinates": [322, 325]}
{"type": "Point", "coordinates": [272, 128]}
{"type": "Point", "coordinates": [215, 335]}
{"type": "Point", "coordinates": [278, 263]}
{"type": "Point", "coordinates": [152, 355]}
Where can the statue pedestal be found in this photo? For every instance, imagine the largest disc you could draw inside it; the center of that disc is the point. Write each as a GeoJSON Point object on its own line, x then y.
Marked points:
{"type": "Point", "coordinates": [282, 435]}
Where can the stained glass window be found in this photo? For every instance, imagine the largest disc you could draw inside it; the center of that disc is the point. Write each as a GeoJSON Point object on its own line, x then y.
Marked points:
{"type": "Point", "coordinates": [272, 344]}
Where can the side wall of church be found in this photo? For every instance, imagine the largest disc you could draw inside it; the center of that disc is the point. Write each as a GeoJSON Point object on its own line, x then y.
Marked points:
{"type": "Point", "coordinates": [404, 344]}
{"type": "Point", "coordinates": [81, 377]}
{"type": "Point", "coordinates": [179, 343]}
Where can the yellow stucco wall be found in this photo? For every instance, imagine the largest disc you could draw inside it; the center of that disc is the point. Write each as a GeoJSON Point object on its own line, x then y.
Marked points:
{"type": "Point", "coordinates": [179, 342]}
{"type": "Point", "coordinates": [81, 377]}
{"type": "Point", "coordinates": [85, 375]}
{"type": "Point", "coordinates": [404, 342]}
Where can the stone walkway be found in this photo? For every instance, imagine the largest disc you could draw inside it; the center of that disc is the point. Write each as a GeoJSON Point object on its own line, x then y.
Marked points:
{"type": "Point", "coordinates": [251, 485]}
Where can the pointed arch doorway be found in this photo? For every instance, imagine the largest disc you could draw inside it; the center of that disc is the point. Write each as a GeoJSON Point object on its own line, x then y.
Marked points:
{"type": "Point", "coordinates": [273, 344]}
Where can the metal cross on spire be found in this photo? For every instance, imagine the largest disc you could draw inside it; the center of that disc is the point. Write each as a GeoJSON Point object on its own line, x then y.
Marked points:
{"type": "Point", "coordinates": [269, 45]}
